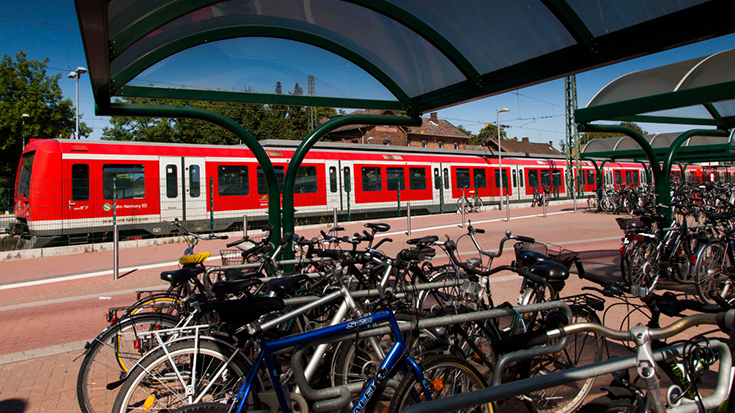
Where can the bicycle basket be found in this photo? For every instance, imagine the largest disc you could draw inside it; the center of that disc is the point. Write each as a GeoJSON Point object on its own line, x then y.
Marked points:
{"type": "Point", "coordinates": [231, 257]}
{"type": "Point", "coordinates": [630, 223]}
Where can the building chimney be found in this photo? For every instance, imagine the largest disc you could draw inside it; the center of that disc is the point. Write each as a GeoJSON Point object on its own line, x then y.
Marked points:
{"type": "Point", "coordinates": [524, 140]}
{"type": "Point", "coordinates": [551, 144]}
{"type": "Point", "coordinates": [433, 116]}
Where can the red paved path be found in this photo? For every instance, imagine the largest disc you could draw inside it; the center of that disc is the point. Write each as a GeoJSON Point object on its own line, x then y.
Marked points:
{"type": "Point", "coordinates": [42, 327]}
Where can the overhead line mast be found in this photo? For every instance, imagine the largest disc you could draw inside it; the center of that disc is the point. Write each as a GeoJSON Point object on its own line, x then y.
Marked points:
{"type": "Point", "coordinates": [573, 147]}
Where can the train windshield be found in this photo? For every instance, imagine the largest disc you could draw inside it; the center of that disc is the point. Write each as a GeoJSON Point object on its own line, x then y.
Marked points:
{"type": "Point", "coordinates": [24, 175]}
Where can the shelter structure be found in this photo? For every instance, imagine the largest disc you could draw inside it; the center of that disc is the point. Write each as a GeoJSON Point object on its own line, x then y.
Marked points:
{"type": "Point", "coordinates": [410, 55]}
{"type": "Point", "coordinates": [695, 92]}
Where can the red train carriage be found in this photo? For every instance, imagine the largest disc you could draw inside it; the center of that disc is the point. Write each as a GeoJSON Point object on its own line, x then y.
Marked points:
{"type": "Point", "coordinates": [66, 189]}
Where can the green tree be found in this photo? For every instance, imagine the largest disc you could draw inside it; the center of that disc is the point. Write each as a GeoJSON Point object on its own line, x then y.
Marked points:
{"type": "Point", "coordinates": [490, 131]}
{"type": "Point", "coordinates": [25, 87]}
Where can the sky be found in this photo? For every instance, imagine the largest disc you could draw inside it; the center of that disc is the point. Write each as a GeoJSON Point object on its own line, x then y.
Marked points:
{"type": "Point", "coordinates": [49, 28]}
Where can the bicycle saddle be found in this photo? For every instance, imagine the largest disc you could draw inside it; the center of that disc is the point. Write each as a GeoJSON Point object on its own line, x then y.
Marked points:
{"type": "Point", "coordinates": [430, 239]}
{"type": "Point", "coordinates": [287, 285]}
{"type": "Point", "coordinates": [379, 227]}
{"type": "Point", "coordinates": [222, 288]}
{"type": "Point", "coordinates": [194, 259]}
{"type": "Point", "coordinates": [182, 275]}
{"type": "Point", "coordinates": [552, 271]}
{"type": "Point", "coordinates": [245, 311]}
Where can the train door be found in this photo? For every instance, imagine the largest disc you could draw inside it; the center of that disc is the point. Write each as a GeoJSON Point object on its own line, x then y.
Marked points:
{"type": "Point", "coordinates": [183, 188]}
{"type": "Point", "coordinates": [78, 207]}
{"type": "Point", "coordinates": [335, 189]}
{"type": "Point", "coordinates": [517, 177]}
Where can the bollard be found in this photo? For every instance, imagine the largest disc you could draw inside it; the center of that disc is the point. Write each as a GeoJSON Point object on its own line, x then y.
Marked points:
{"type": "Point", "coordinates": [574, 194]}
{"type": "Point", "coordinates": [408, 217]}
{"type": "Point", "coordinates": [335, 218]}
{"type": "Point", "coordinates": [543, 202]}
{"type": "Point", "coordinates": [463, 209]}
{"type": "Point", "coordinates": [115, 234]}
{"type": "Point", "coordinates": [507, 206]}
{"type": "Point", "coordinates": [211, 205]}
{"type": "Point", "coordinates": [244, 226]}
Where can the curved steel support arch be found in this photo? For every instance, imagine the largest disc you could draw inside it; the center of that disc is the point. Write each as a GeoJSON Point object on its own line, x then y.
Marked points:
{"type": "Point", "coordinates": [155, 111]}
{"type": "Point", "coordinates": [169, 49]}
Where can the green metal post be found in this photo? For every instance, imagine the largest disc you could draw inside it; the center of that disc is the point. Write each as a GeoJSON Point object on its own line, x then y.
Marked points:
{"type": "Point", "coordinates": [211, 204]}
{"type": "Point", "coordinates": [313, 137]}
{"type": "Point", "coordinates": [161, 111]}
{"type": "Point", "coordinates": [398, 196]}
{"type": "Point", "coordinates": [441, 192]}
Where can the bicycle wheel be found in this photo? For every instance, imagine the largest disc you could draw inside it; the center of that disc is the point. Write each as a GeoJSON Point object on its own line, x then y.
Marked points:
{"type": "Point", "coordinates": [642, 265]}
{"type": "Point", "coordinates": [608, 205]}
{"type": "Point", "coordinates": [463, 205]}
{"type": "Point", "coordinates": [478, 205]}
{"type": "Point", "coordinates": [446, 376]}
{"type": "Point", "coordinates": [610, 404]}
{"type": "Point", "coordinates": [442, 297]}
{"type": "Point", "coordinates": [166, 303]}
{"type": "Point", "coordinates": [111, 354]}
{"type": "Point", "coordinates": [708, 274]}
{"type": "Point", "coordinates": [582, 349]}
{"type": "Point", "coordinates": [159, 382]}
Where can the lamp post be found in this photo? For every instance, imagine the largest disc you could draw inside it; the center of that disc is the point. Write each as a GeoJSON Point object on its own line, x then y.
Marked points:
{"type": "Point", "coordinates": [23, 131]}
{"type": "Point", "coordinates": [500, 162]}
{"type": "Point", "coordinates": [75, 75]}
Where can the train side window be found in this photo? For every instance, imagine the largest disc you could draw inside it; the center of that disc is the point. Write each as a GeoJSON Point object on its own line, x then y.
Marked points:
{"type": "Point", "coordinates": [556, 178]}
{"type": "Point", "coordinates": [305, 180]}
{"type": "Point", "coordinates": [348, 183]}
{"type": "Point", "coordinates": [371, 179]}
{"type": "Point", "coordinates": [437, 179]}
{"type": "Point", "coordinates": [332, 179]}
{"type": "Point", "coordinates": [618, 178]}
{"type": "Point", "coordinates": [172, 181]}
{"type": "Point", "coordinates": [394, 178]}
{"type": "Point", "coordinates": [24, 177]}
{"type": "Point", "coordinates": [480, 178]}
{"type": "Point", "coordinates": [233, 180]}
{"type": "Point", "coordinates": [417, 178]}
{"type": "Point", "coordinates": [80, 182]}
{"type": "Point", "coordinates": [195, 189]}
{"type": "Point", "coordinates": [515, 180]}
{"type": "Point", "coordinates": [497, 178]}
{"type": "Point", "coordinates": [533, 178]}
{"type": "Point", "coordinates": [545, 178]}
{"type": "Point", "coordinates": [263, 185]}
{"type": "Point", "coordinates": [590, 177]}
{"type": "Point", "coordinates": [635, 178]}
{"type": "Point", "coordinates": [130, 181]}
{"type": "Point", "coordinates": [462, 178]}
{"type": "Point", "coordinates": [628, 177]}
{"type": "Point", "coordinates": [446, 178]}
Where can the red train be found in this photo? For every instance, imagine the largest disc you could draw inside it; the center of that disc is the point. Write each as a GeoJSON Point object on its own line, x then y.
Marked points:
{"type": "Point", "coordinates": [65, 188]}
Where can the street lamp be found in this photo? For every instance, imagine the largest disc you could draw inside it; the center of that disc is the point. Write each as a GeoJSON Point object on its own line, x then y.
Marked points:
{"type": "Point", "coordinates": [23, 131]}
{"type": "Point", "coordinates": [500, 164]}
{"type": "Point", "coordinates": [75, 75]}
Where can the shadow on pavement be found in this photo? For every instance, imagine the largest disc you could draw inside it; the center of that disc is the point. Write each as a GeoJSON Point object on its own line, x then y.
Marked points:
{"type": "Point", "coordinates": [12, 406]}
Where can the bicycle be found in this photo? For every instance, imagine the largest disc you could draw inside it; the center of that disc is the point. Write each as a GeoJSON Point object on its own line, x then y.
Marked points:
{"type": "Point", "coordinates": [541, 197]}
{"type": "Point", "coordinates": [471, 204]}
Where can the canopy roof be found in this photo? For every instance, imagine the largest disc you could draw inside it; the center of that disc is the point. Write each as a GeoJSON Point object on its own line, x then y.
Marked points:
{"type": "Point", "coordinates": [696, 92]}
{"type": "Point", "coordinates": [413, 55]}
{"type": "Point", "coordinates": [698, 148]}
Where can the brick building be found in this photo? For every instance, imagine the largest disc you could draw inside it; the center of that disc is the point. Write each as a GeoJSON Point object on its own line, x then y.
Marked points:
{"type": "Point", "coordinates": [522, 146]}
{"type": "Point", "coordinates": [433, 133]}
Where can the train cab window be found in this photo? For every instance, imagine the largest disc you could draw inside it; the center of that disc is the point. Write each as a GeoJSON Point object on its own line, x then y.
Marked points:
{"type": "Point", "coordinates": [371, 179]}
{"type": "Point", "coordinates": [233, 180]}
{"type": "Point", "coordinates": [628, 177]}
{"type": "Point", "coordinates": [635, 178]}
{"type": "Point", "coordinates": [533, 178]}
{"type": "Point", "coordinates": [437, 179]}
{"type": "Point", "coordinates": [590, 177]}
{"type": "Point", "coordinates": [417, 178]}
{"type": "Point", "coordinates": [263, 185]}
{"type": "Point", "coordinates": [480, 178]}
{"type": "Point", "coordinates": [462, 178]}
{"type": "Point", "coordinates": [80, 182]}
{"type": "Point", "coordinates": [172, 181]}
{"type": "Point", "coordinates": [394, 178]}
{"type": "Point", "coordinates": [130, 181]}
{"type": "Point", "coordinates": [195, 187]}
{"type": "Point", "coordinates": [446, 178]}
{"type": "Point", "coordinates": [332, 179]}
{"type": "Point", "coordinates": [515, 181]}
{"type": "Point", "coordinates": [305, 180]}
{"type": "Point", "coordinates": [24, 177]}
{"type": "Point", "coordinates": [346, 180]}
{"type": "Point", "coordinates": [545, 178]}
{"type": "Point", "coordinates": [618, 178]}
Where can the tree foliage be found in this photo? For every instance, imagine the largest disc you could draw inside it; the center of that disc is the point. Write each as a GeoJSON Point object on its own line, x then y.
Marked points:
{"type": "Point", "coordinates": [490, 131]}
{"type": "Point", "coordinates": [25, 87]}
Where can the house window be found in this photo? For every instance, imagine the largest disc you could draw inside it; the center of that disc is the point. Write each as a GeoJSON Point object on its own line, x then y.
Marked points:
{"type": "Point", "coordinates": [417, 178]}
{"type": "Point", "coordinates": [441, 144]}
{"type": "Point", "coordinates": [232, 180]}
{"type": "Point", "coordinates": [371, 180]}
{"type": "Point", "coordinates": [80, 182]}
{"type": "Point", "coordinates": [423, 144]}
{"type": "Point", "coordinates": [456, 145]}
{"type": "Point", "coordinates": [130, 181]}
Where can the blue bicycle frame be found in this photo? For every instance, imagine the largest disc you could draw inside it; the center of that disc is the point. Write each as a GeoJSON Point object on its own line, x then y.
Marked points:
{"type": "Point", "coordinates": [397, 354]}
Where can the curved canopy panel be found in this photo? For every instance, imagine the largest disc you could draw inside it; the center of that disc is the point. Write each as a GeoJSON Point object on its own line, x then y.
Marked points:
{"type": "Point", "coordinates": [698, 148]}
{"type": "Point", "coordinates": [697, 92]}
{"type": "Point", "coordinates": [413, 55]}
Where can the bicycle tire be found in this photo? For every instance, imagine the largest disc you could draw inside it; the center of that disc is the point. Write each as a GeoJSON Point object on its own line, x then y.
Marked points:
{"type": "Point", "coordinates": [447, 375]}
{"type": "Point", "coordinates": [609, 404]}
{"type": "Point", "coordinates": [166, 303]}
{"type": "Point", "coordinates": [642, 264]}
{"type": "Point", "coordinates": [607, 205]}
{"type": "Point", "coordinates": [156, 379]}
{"type": "Point", "coordinates": [462, 205]}
{"type": "Point", "coordinates": [478, 205]}
{"type": "Point", "coordinates": [708, 270]}
{"type": "Point", "coordinates": [108, 357]}
{"type": "Point", "coordinates": [204, 408]}
{"type": "Point", "coordinates": [442, 297]}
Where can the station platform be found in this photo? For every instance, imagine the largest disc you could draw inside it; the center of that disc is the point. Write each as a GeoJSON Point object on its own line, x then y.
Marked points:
{"type": "Point", "coordinates": [50, 306]}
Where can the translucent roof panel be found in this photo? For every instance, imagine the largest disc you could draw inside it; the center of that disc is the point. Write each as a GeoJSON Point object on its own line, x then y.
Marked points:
{"type": "Point", "coordinates": [708, 147]}
{"type": "Point", "coordinates": [603, 17]}
{"type": "Point", "coordinates": [413, 63]}
{"type": "Point", "coordinates": [247, 64]}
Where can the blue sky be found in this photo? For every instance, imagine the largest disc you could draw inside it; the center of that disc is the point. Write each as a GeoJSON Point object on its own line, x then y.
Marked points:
{"type": "Point", "coordinates": [50, 28]}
